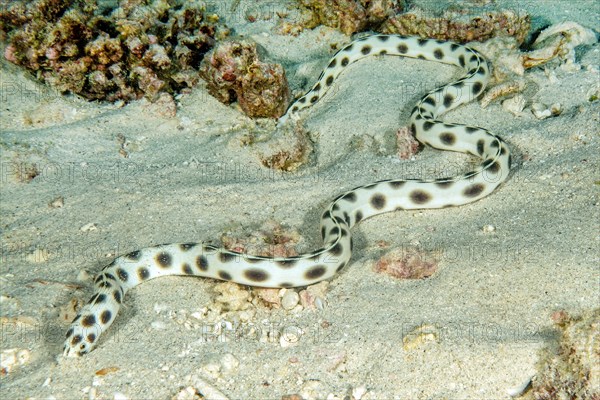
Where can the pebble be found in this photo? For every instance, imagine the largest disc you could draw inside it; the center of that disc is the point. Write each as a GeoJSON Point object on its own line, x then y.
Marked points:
{"type": "Point", "coordinates": [314, 296]}
{"type": "Point", "coordinates": [89, 227]}
{"type": "Point", "coordinates": [229, 363]}
{"type": "Point", "coordinates": [515, 105]}
{"type": "Point", "coordinates": [188, 393]}
{"type": "Point", "coordinates": [290, 337]}
{"type": "Point", "coordinates": [290, 299]}
{"type": "Point", "coordinates": [542, 111]}
{"type": "Point", "coordinates": [207, 390]}
{"type": "Point", "coordinates": [58, 202]}
{"type": "Point", "coordinates": [84, 276]}
{"type": "Point", "coordinates": [319, 303]}
{"type": "Point", "coordinates": [488, 228]}
{"type": "Point", "coordinates": [556, 109]}
{"type": "Point", "coordinates": [359, 392]}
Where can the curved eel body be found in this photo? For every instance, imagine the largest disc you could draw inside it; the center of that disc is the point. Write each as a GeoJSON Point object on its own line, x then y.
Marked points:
{"type": "Point", "coordinates": [346, 210]}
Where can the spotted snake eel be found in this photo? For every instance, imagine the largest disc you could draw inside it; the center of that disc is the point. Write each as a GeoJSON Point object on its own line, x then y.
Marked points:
{"type": "Point", "coordinates": [344, 212]}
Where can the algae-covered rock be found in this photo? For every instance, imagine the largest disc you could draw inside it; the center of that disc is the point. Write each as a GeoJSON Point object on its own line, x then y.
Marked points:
{"type": "Point", "coordinates": [233, 71]}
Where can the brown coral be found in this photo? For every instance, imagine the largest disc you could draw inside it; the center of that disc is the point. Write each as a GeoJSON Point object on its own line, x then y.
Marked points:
{"type": "Point", "coordinates": [460, 26]}
{"type": "Point", "coordinates": [388, 16]}
{"type": "Point", "coordinates": [105, 52]}
{"type": "Point", "coordinates": [233, 71]}
{"type": "Point", "coordinates": [350, 16]}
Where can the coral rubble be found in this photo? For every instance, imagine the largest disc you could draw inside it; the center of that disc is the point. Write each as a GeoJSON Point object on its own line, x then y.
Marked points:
{"type": "Point", "coordinates": [554, 47]}
{"type": "Point", "coordinates": [558, 41]}
{"type": "Point", "coordinates": [110, 52]}
{"type": "Point", "coordinates": [460, 26]}
{"type": "Point", "coordinates": [233, 71]}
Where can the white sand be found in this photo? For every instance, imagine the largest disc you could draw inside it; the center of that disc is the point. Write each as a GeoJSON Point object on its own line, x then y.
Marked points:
{"type": "Point", "coordinates": [490, 302]}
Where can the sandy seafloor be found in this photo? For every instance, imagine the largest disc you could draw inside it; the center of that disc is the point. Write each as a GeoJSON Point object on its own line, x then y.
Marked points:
{"type": "Point", "coordinates": [188, 178]}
